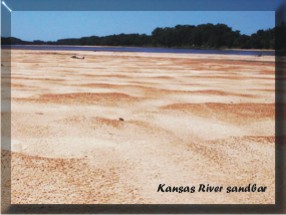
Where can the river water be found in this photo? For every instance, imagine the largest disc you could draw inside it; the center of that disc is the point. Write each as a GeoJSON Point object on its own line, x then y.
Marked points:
{"type": "Point", "coordinates": [139, 49]}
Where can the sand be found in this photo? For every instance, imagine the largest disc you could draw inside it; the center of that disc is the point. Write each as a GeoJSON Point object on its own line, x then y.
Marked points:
{"type": "Point", "coordinates": [110, 128]}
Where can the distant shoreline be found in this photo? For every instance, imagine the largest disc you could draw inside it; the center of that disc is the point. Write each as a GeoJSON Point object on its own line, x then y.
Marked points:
{"type": "Point", "coordinates": [245, 52]}
{"type": "Point", "coordinates": [81, 46]}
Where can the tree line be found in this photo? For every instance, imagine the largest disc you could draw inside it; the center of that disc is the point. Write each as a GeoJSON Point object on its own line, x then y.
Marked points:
{"type": "Point", "coordinates": [208, 36]}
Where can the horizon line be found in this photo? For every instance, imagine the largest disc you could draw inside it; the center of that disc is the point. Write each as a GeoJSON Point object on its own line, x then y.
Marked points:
{"type": "Point", "coordinates": [150, 34]}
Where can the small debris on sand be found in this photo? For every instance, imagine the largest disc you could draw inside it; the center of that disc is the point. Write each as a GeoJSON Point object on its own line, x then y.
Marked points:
{"type": "Point", "coordinates": [121, 119]}
{"type": "Point", "coordinates": [77, 57]}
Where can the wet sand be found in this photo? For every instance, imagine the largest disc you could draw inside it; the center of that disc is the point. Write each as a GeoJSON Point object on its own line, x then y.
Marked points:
{"type": "Point", "coordinates": [113, 126]}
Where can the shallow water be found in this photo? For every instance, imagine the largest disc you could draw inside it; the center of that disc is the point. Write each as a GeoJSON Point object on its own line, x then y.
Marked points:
{"type": "Point", "coordinates": [139, 49]}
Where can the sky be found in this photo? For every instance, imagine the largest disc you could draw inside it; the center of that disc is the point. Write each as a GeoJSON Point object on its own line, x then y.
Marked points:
{"type": "Point", "coordinates": [146, 5]}
{"type": "Point", "coordinates": [54, 25]}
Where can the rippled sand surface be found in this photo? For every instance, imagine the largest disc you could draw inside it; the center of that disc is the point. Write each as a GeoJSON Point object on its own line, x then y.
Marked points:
{"type": "Point", "coordinates": [113, 126]}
